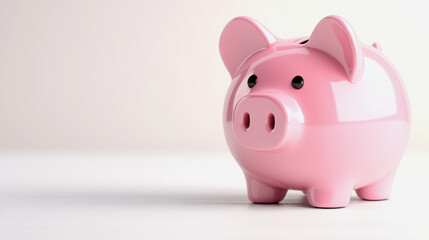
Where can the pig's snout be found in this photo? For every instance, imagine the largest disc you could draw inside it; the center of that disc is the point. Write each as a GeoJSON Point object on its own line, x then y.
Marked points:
{"type": "Point", "coordinates": [261, 122]}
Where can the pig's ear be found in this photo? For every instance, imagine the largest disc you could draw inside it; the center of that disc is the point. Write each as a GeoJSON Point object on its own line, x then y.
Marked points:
{"type": "Point", "coordinates": [336, 37]}
{"type": "Point", "coordinates": [242, 37]}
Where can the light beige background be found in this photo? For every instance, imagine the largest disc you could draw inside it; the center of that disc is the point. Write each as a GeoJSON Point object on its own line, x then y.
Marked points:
{"type": "Point", "coordinates": [147, 75]}
{"type": "Point", "coordinates": [111, 122]}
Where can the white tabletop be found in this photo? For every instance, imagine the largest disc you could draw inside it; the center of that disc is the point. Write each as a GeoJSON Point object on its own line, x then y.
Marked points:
{"type": "Point", "coordinates": [193, 196]}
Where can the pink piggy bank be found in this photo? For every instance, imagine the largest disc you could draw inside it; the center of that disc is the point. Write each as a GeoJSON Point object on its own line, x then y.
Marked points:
{"type": "Point", "coordinates": [325, 114]}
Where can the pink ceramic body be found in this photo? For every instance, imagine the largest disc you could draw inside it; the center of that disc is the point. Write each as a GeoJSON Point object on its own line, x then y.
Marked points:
{"type": "Point", "coordinates": [345, 129]}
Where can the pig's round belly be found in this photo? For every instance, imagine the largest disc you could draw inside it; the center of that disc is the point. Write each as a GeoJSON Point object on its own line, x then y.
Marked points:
{"type": "Point", "coordinates": [357, 153]}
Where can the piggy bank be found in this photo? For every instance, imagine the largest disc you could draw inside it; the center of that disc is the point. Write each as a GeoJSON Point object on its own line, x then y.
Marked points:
{"type": "Point", "coordinates": [325, 114]}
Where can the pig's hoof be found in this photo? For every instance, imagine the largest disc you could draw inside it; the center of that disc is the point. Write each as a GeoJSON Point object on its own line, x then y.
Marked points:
{"type": "Point", "coordinates": [273, 196]}
{"type": "Point", "coordinates": [379, 190]}
{"type": "Point", "coordinates": [367, 194]}
{"type": "Point", "coordinates": [259, 192]}
{"type": "Point", "coordinates": [322, 198]}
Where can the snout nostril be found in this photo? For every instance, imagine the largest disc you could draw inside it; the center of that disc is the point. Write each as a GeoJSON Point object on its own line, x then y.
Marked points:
{"type": "Point", "coordinates": [271, 122]}
{"type": "Point", "coordinates": [246, 121]}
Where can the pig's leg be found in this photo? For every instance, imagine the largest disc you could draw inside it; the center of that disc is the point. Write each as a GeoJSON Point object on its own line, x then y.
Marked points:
{"type": "Point", "coordinates": [379, 190]}
{"type": "Point", "coordinates": [329, 197]}
{"type": "Point", "coordinates": [259, 192]}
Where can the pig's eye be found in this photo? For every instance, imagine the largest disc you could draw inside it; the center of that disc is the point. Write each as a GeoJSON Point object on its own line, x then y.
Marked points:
{"type": "Point", "coordinates": [251, 82]}
{"type": "Point", "coordinates": [297, 82]}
